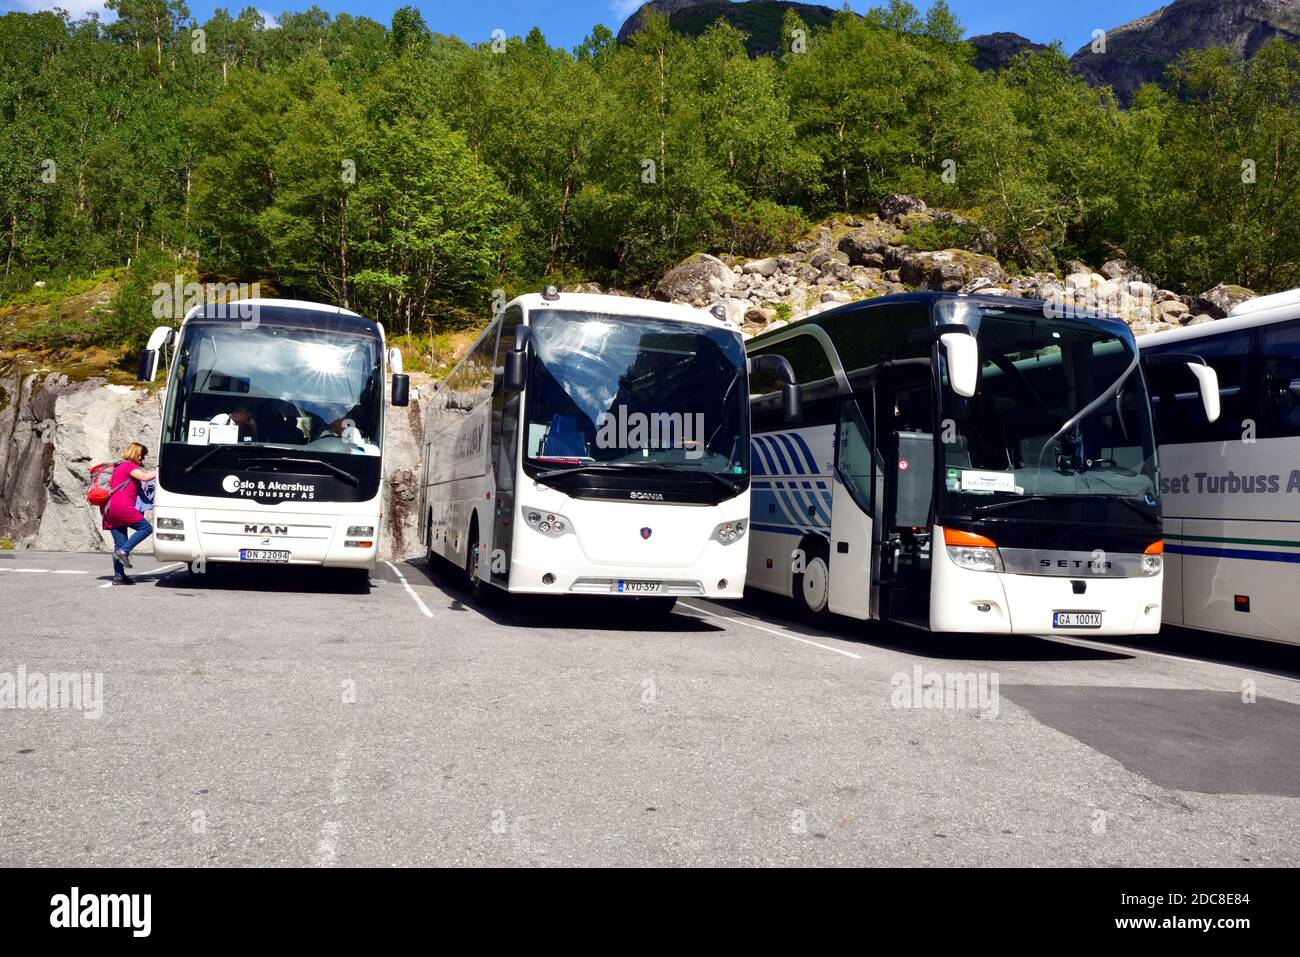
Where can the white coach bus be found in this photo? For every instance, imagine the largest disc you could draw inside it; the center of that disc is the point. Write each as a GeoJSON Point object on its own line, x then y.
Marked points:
{"type": "Point", "coordinates": [964, 464]}
{"type": "Point", "coordinates": [272, 435]}
{"type": "Point", "coordinates": [1232, 491]}
{"type": "Point", "coordinates": [593, 445]}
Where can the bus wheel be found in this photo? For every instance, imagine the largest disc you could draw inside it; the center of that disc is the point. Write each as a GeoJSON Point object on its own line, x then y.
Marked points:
{"type": "Point", "coordinates": [812, 586]}
{"type": "Point", "coordinates": [484, 594]}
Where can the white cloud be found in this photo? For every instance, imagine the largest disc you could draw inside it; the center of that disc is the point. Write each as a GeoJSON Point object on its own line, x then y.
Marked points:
{"type": "Point", "coordinates": [76, 8]}
{"type": "Point", "coordinates": [271, 23]}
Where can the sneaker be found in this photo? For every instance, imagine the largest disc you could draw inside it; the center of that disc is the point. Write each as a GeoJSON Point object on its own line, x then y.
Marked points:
{"type": "Point", "coordinates": [123, 557]}
{"type": "Point", "coordinates": [123, 580]}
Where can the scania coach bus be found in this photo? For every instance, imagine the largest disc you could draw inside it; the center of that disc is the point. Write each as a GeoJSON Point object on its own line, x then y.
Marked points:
{"type": "Point", "coordinates": [1232, 491]}
{"type": "Point", "coordinates": [272, 435]}
{"type": "Point", "coordinates": [964, 464]}
{"type": "Point", "coordinates": [593, 445]}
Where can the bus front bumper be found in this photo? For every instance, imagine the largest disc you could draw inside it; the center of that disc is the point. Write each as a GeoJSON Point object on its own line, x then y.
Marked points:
{"type": "Point", "coordinates": [987, 602]}
{"type": "Point", "coordinates": [194, 535]}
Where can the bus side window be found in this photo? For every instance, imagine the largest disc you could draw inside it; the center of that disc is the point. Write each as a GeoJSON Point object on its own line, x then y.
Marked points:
{"type": "Point", "coordinates": [1279, 349]}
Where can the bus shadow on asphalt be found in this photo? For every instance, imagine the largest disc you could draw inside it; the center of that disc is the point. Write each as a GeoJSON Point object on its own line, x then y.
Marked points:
{"type": "Point", "coordinates": [774, 610]}
{"type": "Point", "coordinates": [588, 613]}
{"type": "Point", "coordinates": [284, 579]}
{"type": "Point", "coordinates": [1270, 656]}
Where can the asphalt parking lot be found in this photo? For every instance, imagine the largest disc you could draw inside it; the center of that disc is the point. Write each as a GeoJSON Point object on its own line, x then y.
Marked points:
{"type": "Point", "coordinates": [268, 716]}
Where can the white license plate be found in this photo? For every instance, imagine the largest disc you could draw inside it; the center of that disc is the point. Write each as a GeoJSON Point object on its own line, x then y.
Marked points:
{"type": "Point", "coordinates": [1076, 619]}
{"type": "Point", "coordinates": [263, 555]}
{"type": "Point", "coordinates": [639, 588]}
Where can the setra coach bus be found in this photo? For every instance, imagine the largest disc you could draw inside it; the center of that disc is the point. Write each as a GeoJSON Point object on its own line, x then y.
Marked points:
{"type": "Point", "coordinates": [964, 464]}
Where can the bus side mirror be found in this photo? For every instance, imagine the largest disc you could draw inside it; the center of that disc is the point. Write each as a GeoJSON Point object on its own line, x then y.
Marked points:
{"type": "Point", "coordinates": [401, 389]}
{"type": "Point", "coordinates": [148, 365]}
{"type": "Point", "coordinates": [1208, 380]}
{"type": "Point", "coordinates": [516, 370]}
{"type": "Point", "coordinates": [401, 395]}
{"type": "Point", "coordinates": [791, 396]}
{"type": "Point", "coordinates": [148, 369]}
{"type": "Point", "coordinates": [962, 353]}
{"type": "Point", "coordinates": [792, 401]}
{"type": "Point", "coordinates": [515, 373]}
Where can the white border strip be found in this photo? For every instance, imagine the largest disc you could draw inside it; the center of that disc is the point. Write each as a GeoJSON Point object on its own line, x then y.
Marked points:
{"type": "Point", "coordinates": [770, 631]}
{"type": "Point", "coordinates": [409, 590]}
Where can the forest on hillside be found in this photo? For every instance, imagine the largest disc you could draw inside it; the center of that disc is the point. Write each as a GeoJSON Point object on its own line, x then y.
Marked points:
{"type": "Point", "coordinates": [407, 174]}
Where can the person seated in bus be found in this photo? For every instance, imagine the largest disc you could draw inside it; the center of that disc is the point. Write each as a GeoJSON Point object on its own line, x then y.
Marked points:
{"type": "Point", "coordinates": [242, 417]}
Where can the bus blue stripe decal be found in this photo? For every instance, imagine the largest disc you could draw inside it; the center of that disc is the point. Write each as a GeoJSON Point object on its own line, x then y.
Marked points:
{"type": "Point", "coordinates": [795, 456]}
{"type": "Point", "coordinates": [812, 461]}
{"type": "Point", "coordinates": [1292, 557]}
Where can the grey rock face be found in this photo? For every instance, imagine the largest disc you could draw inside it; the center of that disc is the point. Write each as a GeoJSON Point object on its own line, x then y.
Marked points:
{"type": "Point", "coordinates": [52, 431]}
{"type": "Point", "coordinates": [1138, 52]}
{"type": "Point", "coordinates": [993, 51]}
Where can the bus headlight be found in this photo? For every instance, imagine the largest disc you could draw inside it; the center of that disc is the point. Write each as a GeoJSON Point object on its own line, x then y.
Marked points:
{"type": "Point", "coordinates": [1153, 559]}
{"type": "Point", "coordinates": [729, 532]}
{"type": "Point", "coordinates": [361, 531]}
{"type": "Point", "coordinates": [548, 523]}
{"type": "Point", "coordinates": [174, 524]}
{"type": "Point", "coordinates": [974, 552]}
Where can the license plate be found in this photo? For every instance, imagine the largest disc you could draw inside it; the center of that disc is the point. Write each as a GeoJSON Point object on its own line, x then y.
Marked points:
{"type": "Point", "coordinates": [262, 555]}
{"type": "Point", "coordinates": [1076, 619]}
{"type": "Point", "coordinates": [639, 588]}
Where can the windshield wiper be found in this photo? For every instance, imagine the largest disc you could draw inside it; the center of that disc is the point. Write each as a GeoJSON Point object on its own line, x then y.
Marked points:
{"type": "Point", "coordinates": [637, 467]}
{"type": "Point", "coordinates": [218, 448]}
{"type": "Point", "coordinates": [342, 474]}
{"type": "Point", "coordinates": [999, 506]}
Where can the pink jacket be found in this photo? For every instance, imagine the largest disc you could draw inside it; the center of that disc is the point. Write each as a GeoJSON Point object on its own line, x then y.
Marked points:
{"type": "Point", "coordinates": [121, 510]}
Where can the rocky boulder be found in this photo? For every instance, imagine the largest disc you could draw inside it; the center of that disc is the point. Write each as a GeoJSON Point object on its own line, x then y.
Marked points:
{"type": "Point", "coordinates": [1219, 301]}
{"type": "Point", "coordinates": [696, 280]}
{"type": "Point", "coordinates": [948, 270]}
{"type": "Point", "coordinates": [864, 248]}
{"type": "Point", "coordinates": [897, 205]}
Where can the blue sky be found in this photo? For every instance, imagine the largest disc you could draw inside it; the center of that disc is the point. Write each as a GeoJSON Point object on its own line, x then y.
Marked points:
{"type": "Point", "coordinates": [566, 22]}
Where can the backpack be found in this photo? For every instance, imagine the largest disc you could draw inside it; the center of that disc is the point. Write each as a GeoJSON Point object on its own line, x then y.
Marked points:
{"type": "Point", "coordinates": [101, 489]}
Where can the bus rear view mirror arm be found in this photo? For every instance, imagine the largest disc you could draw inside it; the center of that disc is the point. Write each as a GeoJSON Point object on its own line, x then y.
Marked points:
{"type": "Point", "coordinates": [791, 395]}
{"type": "Point", "coordinates": [1207, 379]}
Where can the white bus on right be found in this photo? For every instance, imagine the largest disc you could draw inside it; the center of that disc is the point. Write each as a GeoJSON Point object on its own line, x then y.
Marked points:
{"type": "Point", "coordinates": [1231, 489]}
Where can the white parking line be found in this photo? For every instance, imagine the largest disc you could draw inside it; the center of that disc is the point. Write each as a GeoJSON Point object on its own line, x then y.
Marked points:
{"type": "Point", "coordinates": [68, 571]}
{"type": "Point", "coordinates": [770, 631]}
{"type": "Point", "coordinates": [409, 590]}
{"type": "Point", "coordinates": [31, 571]}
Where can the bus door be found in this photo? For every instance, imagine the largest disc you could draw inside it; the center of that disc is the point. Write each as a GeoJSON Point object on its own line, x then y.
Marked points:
{"type": "Point", "coordinates": [853, 489]}
{"type": "Point", "coordinates": [505, 444]}
{"type": "Point", "coordinates": [904, 423]}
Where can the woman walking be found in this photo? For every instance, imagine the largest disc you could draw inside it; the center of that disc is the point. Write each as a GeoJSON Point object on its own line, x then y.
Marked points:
{"type": "Point", "coordinates": [121, 514]}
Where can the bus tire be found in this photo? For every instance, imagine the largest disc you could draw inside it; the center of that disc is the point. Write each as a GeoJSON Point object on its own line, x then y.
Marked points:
{"type": "Point", "coordinates": [812, 586]}
{"type": "Point", "coordinates": [483, 593]}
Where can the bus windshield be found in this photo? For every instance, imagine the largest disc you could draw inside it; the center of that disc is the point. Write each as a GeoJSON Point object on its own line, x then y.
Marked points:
{"type": "Point", "coordinates": [310, 381]}
{"type": "Point", "coordinates": [1061, 410]}
{"type": "Point", "coordinates": [625, 391]}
